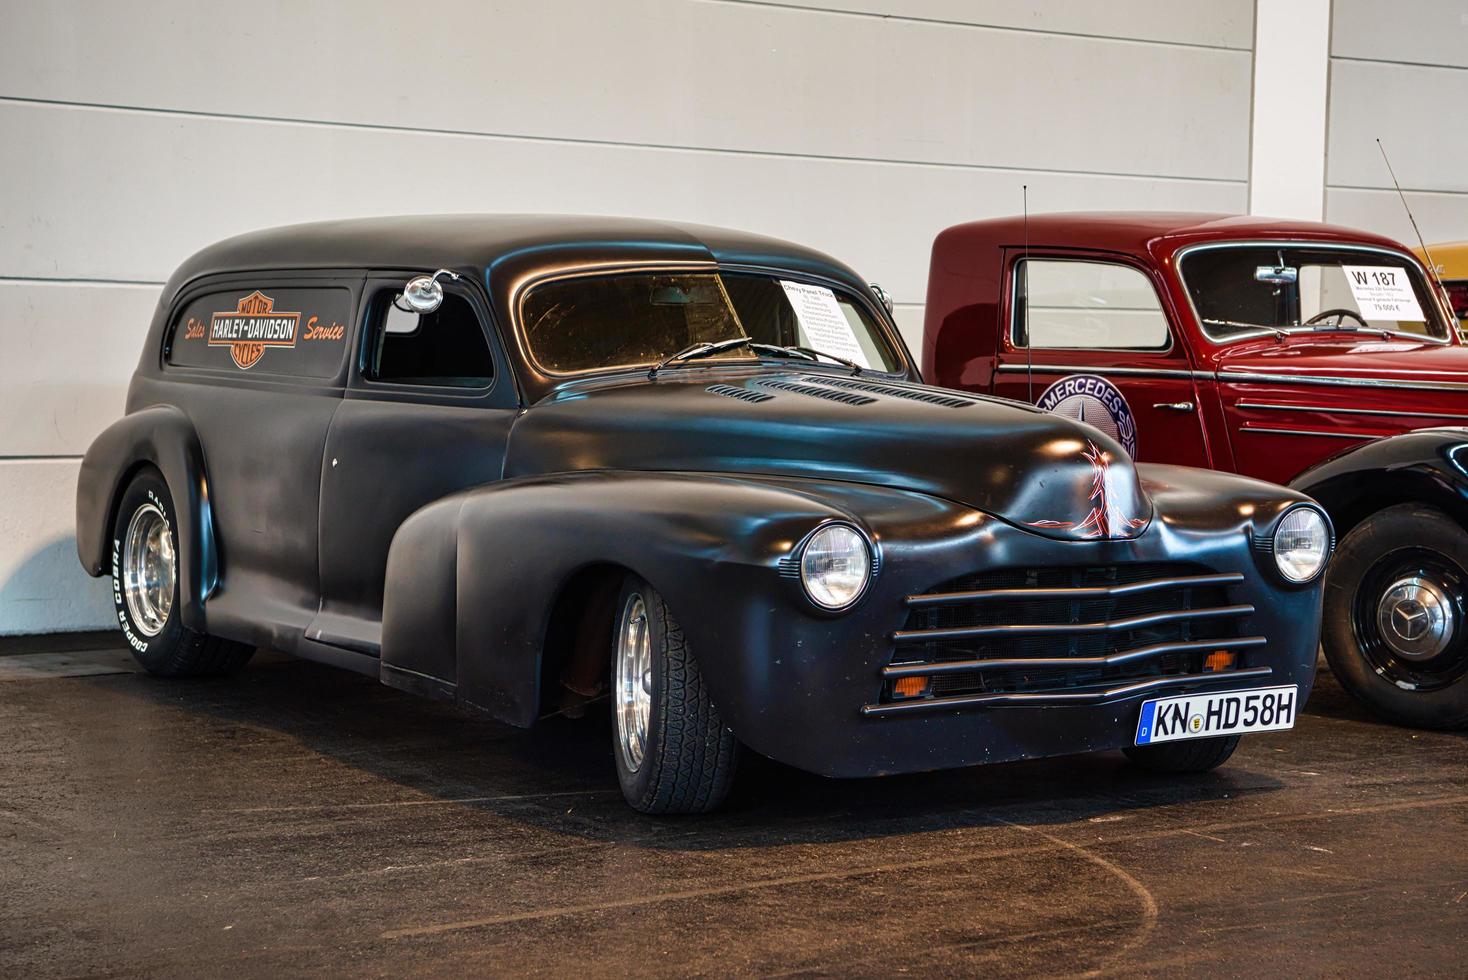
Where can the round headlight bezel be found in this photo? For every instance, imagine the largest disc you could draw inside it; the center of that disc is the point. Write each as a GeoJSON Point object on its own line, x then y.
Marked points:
{"type": "Point", "coordinates": [1274, 549]}
{"type": "Point", "coordinates": [812, 594]}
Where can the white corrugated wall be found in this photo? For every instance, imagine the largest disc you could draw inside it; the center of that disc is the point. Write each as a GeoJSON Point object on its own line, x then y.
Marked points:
{"type": "Point", "coordinates": [136, 133]}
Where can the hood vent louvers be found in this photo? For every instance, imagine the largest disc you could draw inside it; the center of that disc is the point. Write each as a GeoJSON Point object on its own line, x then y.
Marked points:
{"type": "Point", "coordinates": [815, 391]}
{"type": "Point", "coordinates": [896, 391]}
{"type": "Point", "coordinates": [743, 394]}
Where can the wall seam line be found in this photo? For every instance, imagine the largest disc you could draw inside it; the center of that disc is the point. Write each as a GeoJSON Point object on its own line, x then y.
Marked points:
{"type": "Point", "coordinates": [617, 144]}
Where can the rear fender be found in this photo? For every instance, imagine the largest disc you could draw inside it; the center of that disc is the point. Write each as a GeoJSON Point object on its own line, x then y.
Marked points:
{"type": "Point", "coordinates": [164, 437]}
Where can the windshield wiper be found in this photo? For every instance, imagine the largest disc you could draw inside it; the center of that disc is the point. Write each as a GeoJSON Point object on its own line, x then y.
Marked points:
{"type": "Point", "coordinates": [808, 353]}
{"type": "Point", "coordinates": [695, 351]}
{"type": "Point", "coordinates": [1279, 333]}
{"type": "Point", "coordinates": [709, 348]}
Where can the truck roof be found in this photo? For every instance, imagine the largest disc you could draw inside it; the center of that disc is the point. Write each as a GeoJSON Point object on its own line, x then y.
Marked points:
{"type": "Point", "coordinates": [505, 248]}
{"type": "Point", "coordinates": [1141, 233]}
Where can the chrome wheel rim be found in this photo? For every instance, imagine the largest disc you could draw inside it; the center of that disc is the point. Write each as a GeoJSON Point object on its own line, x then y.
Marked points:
{"type": "Point", "coordinates": [148, 568]}
{"type": "Point", "coordinates": [1415, 618]}
{"type": "Point", "coordinates": [633, 682]}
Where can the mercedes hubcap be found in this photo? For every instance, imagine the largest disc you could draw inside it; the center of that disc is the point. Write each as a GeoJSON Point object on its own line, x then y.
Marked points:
{"type": "Point", "coordinates": [1415, 618]}
{"type": "Point", "coordinates": [148, 569]}
{"type": "Point", "coordinates": [633, 684]}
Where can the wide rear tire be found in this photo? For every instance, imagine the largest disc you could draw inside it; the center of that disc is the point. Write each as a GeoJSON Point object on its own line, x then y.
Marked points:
{"type": "Point", "coordinates": [673, 752]}
{"type": "Point", "coordinates": [145, 588]}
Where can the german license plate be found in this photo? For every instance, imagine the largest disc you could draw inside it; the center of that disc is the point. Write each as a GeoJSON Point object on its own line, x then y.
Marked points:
{"type": "Point", "coordinates": [1263, 709]}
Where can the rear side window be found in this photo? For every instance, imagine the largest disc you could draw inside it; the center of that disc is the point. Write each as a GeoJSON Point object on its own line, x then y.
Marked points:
{"type": "Point", "coordinates": [1079, 305]}
{"type": "Point", "coordinates": [299, 332]}
{"type": "Point", "coordinates": [445, 348]}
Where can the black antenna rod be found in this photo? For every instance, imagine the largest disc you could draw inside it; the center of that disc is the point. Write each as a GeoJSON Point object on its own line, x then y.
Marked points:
{"type": "Point", "coordinates": [1431, 265]}
{"type": "Point", "coordinates": [1025, 264]}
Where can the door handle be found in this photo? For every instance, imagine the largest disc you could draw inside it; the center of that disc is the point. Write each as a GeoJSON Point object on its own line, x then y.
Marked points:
{"type": "Point", "coordinates": [1176, 406]}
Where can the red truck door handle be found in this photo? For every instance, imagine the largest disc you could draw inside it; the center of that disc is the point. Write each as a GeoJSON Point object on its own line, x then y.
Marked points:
{"type": "Point", "coordinates": [1175, 406]}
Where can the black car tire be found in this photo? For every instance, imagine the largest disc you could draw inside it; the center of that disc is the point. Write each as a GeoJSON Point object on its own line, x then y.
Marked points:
{"type": "Point", "coordinates": [1392, 543]}
{"type": "Point", "coordinates": [689, 756]}
{"type": "Point", "coordinates": [165, 647]}
{"type": "Point", "coordinates": [1193, 755]}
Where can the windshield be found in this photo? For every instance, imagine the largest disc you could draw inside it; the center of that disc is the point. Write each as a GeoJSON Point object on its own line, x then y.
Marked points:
{"type": "Point", "coordinates": [587, 323]}
{"type": "Point", "coordinates": [1239, 291]}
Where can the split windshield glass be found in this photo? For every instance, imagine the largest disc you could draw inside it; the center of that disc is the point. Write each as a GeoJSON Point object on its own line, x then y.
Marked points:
{"type": "Point", "coordinates": [1239, 291]}
{"type": "Point", "coordinates": [587, 323]}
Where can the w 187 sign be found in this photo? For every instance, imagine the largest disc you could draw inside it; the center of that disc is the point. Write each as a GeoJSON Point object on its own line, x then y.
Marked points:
{"type": "Point", "coordinates": [1383, 292]}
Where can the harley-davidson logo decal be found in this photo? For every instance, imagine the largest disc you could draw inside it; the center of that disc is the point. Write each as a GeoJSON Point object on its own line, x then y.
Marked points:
{"type": "Point", "coordinates": [1103, 521]}
{"type": "Point", "coordinates": [250, 328]}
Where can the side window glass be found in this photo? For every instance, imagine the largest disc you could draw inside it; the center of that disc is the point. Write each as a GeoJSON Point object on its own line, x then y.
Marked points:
{"type": "Point", "coordinates": [445, 348]}
{"type": "Point", "coordinates": [1087, 305]}
{"type": "Point", "coordinates": [282, 331]}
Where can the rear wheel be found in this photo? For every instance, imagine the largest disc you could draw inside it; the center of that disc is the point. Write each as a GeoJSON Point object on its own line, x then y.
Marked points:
{"type": "Point", "coordinates": [145, 588]}
{"type": "Point", "coordinates": [1396, 616]}
{"type": "Point", "coordinates": [673, 752]}
{"type": "Point", "coordinates": [1193, 755]}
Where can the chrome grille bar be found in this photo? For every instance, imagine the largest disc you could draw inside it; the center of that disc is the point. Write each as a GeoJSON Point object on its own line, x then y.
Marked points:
{"type": "Point", "coordinates": [925, 669]}
{"type": "Point", "coordinates": [1068, 629]}
{"type": "Point", "coordinates": [1045, 698]}
{"type": "Point", "coordinates": [1074, 592]}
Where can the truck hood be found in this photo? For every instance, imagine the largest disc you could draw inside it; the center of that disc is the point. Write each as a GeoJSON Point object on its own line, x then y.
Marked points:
{"type": "Point", "coordinates": [1346, 357]}
{"type": "Point", "coordinates": [1056, 477]}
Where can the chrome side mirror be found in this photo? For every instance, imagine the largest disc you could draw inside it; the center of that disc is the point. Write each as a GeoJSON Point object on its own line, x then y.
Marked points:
{"type": "Point", "coordinates": [1280, 275]}
{"type": "Point", "coordinates": [884, 297]}
{"type": "Point", "coordinates": [423, 294]}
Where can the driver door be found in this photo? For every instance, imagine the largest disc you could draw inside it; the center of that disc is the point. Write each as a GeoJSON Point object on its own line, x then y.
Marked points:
{"type": "Point", "coordinates": [1087, 336]}
{"type": "Point", "coordinates": [428, 409]}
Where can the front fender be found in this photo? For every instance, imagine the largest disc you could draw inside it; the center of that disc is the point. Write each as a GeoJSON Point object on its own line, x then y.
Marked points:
{"type": "Point", "coordinates": [163, 436]}
{"type": "Point", "coordinates": [1428, 465]}
{"type": "Point", "coordinates": [471, 578]}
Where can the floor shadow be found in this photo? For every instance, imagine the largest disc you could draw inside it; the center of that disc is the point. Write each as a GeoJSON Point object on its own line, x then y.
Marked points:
{"type": "Point", "coordinates": [559, 775]}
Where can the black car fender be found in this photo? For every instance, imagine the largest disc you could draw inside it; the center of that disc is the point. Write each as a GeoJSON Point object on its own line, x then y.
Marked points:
{"type": "Point", "coordinates": [472, 579]}
{"type": "Point", "coordinates": [1428, 465]}
{"type": "Point", "coordinates": [161, 436]}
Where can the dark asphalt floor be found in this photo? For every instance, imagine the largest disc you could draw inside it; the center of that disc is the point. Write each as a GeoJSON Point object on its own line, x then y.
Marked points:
{"type": "Point", "coordinates": [296, 820]}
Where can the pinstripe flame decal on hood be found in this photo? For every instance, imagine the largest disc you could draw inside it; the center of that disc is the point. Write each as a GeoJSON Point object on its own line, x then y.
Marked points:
{"type": "Point", "coordinates": [1105, 519]}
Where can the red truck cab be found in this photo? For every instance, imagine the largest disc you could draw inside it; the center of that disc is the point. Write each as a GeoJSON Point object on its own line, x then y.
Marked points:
{"type": "Point", "coordinates": [1296, 352]}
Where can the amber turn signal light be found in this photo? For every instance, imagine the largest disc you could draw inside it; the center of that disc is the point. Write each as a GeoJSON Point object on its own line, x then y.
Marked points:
{"type": "Point", "coordinates": [910, 687]}
{"type": "Point", "coordinates": [1219, 660]}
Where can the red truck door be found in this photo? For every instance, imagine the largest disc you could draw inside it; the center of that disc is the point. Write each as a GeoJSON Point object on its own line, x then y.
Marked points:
{"type": "Point", "coordinates": [1100, 349]}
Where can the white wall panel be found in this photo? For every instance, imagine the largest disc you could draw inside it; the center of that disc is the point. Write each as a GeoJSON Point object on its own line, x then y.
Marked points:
{"type": "Point", "coordinates": [739, 76]}
{"type": "Point", "coordinates": [881, 217]}
{"type": "Point", "coordinates": [1409, 108]}
{"type": "Point", "coordinates": [1398, 72]}
{"type": "Point", "coordinates": [1206, 23]}
{"type": "Point", "coordinates": [1426, 32]}
{"type": "Point", "coordinates": [42, 586]}
{"type": "Point", "coordinates": [1442, 217]}
{"type": "Point", "coordinates": [70, 349]}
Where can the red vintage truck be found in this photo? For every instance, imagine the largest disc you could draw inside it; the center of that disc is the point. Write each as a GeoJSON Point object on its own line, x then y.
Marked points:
{"type": "Point", "coordinates": [1301, 353]}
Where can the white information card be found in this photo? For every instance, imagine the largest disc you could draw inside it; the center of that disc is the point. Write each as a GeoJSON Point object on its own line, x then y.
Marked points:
{"type": "Point", "coordinates": [1383, 292]}
{"type": "Point", "coordinates": [824, 324]}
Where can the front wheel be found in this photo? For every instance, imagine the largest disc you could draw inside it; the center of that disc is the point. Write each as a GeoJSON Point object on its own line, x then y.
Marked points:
{"type": "Point", "coordinates": [673, 751]}
{"type": "Point", "coordinates": [1193, 755]}
{"type": "Point", "coordinates": [1396, 616]}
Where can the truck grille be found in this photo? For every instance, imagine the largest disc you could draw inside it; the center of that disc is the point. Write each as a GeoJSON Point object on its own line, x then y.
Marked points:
{"type": "Point", "coordinates": [1067, 635]}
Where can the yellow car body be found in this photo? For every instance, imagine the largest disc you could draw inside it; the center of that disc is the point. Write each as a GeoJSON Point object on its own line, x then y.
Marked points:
{"type": "Point", "coordinates": [1449, 263]}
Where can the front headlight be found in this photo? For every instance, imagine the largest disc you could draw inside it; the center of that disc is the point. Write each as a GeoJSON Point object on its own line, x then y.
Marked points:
{"type": "Point", "coordinates": [835, 565]}
{"type": "Point", "coordinates": [1301, 544]}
